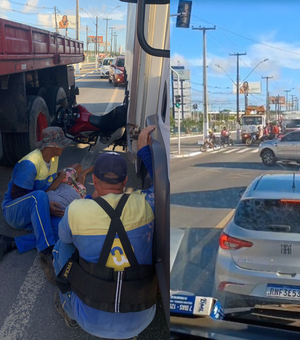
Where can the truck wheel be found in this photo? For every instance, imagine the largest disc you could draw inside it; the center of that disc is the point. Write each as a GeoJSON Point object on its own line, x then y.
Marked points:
{"type": "Point", "coordinates": [52, 96]}
{"type": "Point", "coordinates": [38, 119]}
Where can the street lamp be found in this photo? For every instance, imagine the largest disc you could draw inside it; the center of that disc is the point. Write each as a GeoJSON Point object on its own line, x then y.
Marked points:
{"type": "Point", "coordinates": [256, 67]}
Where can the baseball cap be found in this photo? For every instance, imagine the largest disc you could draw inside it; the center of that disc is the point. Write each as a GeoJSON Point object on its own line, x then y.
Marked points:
{"type": "Point", "coordinates": [110, 162]}
{"type": "Point", "coordinates": [53, 137]}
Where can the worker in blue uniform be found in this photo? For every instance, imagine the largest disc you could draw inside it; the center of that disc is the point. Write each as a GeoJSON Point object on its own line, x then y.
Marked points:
{"type": "Point", "coordinates": [26, 204]}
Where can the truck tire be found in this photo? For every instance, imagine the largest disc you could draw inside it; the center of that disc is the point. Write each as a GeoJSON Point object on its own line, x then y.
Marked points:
{"type": "Point", "coordinates": [53, 94]}
{"type": "Point", "coordinates": [38, 120]}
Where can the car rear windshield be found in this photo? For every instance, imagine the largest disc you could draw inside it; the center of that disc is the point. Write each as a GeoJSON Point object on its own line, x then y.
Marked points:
{"type": "Point", "coordinates": [120, 62]}
{"type": "Point", "coordinates": [269, 215]}
{"type": "Point", "coordinates": [107, 62]}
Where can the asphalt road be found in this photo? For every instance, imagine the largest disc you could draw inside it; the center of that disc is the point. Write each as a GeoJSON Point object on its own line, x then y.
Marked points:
{"type": "Point", "coordinates": [204, 193]}
{"type": "Point", "coordinates": [26, 298]}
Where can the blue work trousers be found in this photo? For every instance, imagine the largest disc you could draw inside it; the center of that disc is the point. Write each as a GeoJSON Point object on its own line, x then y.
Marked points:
{"type": "Point", "coordinates": [32, 212]}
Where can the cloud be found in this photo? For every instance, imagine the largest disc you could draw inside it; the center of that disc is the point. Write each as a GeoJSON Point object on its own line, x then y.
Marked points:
{"type": "Point", "coordinates": [179, 60]}
{"type": "Point", "coordinates": [4, 5]}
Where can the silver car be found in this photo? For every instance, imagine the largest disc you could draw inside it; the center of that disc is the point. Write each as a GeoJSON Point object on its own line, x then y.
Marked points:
{"type": "Point", "coordinates": [286, 148]}
{"type": "Point", "coordinates": [104, 69]}
{"type": "Point", "coordinates": [259, 250]}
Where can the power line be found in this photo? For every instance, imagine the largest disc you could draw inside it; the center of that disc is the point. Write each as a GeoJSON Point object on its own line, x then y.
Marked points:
{"type": "Point", "coordinates": [22, 12]}
{"type": "Point", "coordinates": [257, 42]}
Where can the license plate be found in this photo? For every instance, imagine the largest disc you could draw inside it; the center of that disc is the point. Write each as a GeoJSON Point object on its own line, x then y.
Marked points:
{"type": "Point", "coordinates": [280, 291]}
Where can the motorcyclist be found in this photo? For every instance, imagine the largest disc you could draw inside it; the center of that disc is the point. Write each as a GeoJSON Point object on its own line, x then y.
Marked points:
{"type": "Point", "coordinates": [225, 136]}
{"type": "Point", "coordinates": [260, 133]}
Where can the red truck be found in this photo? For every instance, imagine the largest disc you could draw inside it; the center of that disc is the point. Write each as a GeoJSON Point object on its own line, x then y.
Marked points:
{"type": "Point", "coordinates": [35, 72]}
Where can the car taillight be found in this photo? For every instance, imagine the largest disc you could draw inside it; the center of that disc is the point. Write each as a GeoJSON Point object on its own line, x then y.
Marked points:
{"type": "Point", "coordinates": [223, 285]}
{"type": "Point", "coordinates": [231, 243]}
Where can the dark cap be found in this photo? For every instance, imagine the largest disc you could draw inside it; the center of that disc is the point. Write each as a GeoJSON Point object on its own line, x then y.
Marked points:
{"type": "Point", "coordinates": [110, 162]}
{"type": "Point", "coordinates": [53, 137]}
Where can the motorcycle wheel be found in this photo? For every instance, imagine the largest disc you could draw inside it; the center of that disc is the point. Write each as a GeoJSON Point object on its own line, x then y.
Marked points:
{"type": "Point", "coordinates": [230, 142]}
{"type": "Point", "coordinates": [203, 148]}
{"type": "Point", "coordinates": [249, 141]}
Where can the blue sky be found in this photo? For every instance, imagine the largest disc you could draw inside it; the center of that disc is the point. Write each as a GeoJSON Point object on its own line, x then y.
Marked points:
{"type": "Point", "coordinates": [264, 30]}
{"type": "Point", "coordinates": [38, 13]}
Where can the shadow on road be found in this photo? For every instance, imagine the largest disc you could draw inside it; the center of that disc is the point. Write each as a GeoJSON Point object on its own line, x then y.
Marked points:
{"type": "Point", "coordinates": [227, 198]}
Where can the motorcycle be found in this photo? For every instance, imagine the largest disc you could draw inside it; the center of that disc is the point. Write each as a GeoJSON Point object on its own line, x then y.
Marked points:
{"type": "Point", "coordinates": [82, 126]}
{"type": "Point", "coordinates": [226, 141]}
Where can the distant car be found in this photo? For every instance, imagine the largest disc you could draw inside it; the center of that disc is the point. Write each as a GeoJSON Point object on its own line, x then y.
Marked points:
{"type": "Point", "coordinates": [285, 148]}
{"type": "Point", "coordinates": [116, 71]}
{"type": "Point", "coordinates": [104, 69]}
{"type": "Point", "coordinates": [259, 249]}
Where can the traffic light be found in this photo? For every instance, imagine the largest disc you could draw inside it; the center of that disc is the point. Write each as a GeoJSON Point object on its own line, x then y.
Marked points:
{"type": "Point", "coordinates": [185, 8]}
{"type": "Point", "coordinates": [177, 101]}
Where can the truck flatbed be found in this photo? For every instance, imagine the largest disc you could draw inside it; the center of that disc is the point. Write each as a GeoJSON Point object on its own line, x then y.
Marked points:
{"type": "Point", "coordinates": [25, 48]}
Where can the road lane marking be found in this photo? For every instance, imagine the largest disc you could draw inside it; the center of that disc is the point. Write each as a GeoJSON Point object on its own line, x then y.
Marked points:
{"type": "Point", "coordinates": [112, 100]}
{"type": "Point", "coordinates": [196, 251]}
{"type": "Point", "coordinates": [229, 151]}
{"type": "Point", "coordinates": [254, 151]}
{"type": "Point", "coordinates": [243, 150]}
{"type": "Point", "coordinates": [216, 151]}
{"type": "Point", "coordinates": [19, 315]}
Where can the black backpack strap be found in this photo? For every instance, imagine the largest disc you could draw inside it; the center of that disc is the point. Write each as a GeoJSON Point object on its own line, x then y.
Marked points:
{"type": "Point", "coordinates": [116, 226]}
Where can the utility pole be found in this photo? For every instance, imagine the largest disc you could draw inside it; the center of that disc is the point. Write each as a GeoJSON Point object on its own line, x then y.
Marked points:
{"type": "Point", "coordinates": [77, 31]}
{"type": "Point", "coordinates": [238, 132]}
{"type": "Point", "coordinates": [292, 102]}
{"type": "Point", "coordinates": [106, 35]}
{"type": "Point", "coordinates": [56, 27]}
{"type": "Point", "coordinates": [87, 44]}
{"type": "Point", "coordinates": [96, 44]}
{"type": "Point", "coordinates": [205, 104]}
{"type": "Point", "coordinates": [267, 98]}
{"type": "Point", "coordinates": [111, 40]}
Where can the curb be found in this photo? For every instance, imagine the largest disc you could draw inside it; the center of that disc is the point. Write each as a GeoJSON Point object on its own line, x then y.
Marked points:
{"type": "Point", "coordinates": [185, 155]}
